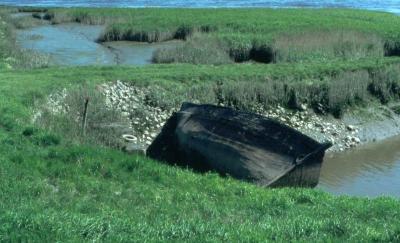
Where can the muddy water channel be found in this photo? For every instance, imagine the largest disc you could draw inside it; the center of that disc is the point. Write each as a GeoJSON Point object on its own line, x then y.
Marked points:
{"type": "Point", "coordinates": [75, 45]}
{"type": "Point", "coordinates": [371, 170]}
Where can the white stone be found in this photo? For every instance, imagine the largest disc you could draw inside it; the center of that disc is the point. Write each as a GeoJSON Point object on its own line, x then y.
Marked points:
{"type": "Point", "coordinates": [350, 127]}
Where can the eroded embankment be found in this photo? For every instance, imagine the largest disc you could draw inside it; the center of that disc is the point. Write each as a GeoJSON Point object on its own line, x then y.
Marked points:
{"type": "Point", "coordinates": [140, 112]}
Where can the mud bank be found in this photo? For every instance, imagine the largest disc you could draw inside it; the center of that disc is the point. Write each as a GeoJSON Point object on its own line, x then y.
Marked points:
{"type": "Point", "coordinates": [360, 127]}
{"type": "Point", "coordinates": [357, 128]}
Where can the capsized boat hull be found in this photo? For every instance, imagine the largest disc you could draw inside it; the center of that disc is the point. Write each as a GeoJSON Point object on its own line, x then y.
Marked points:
{"type": "Point", "coordinates": [242, 145]}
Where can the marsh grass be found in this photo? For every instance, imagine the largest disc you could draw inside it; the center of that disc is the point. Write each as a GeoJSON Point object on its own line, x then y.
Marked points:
{"type": "Point", "coordinates": [32, 10]}
{"type": "Point", "coordinates": [261, 35]}
{"type": "Point", "coordinates": [346, 90]}
{"type": "Point", "coordinates": [25, 22]}
{"type": "Point", "coordinates": [123, 31]}
{"type": "Point", "coordinates": [114, 33]}
{"type": "Point", "coordinates": [28, 59]}
{"type": "Point", "coordinates": [386, 83]}
{"type": "Point", "coordinates": [197, 49]}
{"type": "Point", "coordinates": [325, 45]}
{"type": "Point", "coordinates": [309, 46]}
{"type": "Point", "coordinates": [332, 95]}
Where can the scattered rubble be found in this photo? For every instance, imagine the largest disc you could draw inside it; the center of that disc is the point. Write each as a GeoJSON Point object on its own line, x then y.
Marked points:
{"type": "Point", "coordinates": [146, 119]}
{"type": "Point", "coordinates": [321, 128]}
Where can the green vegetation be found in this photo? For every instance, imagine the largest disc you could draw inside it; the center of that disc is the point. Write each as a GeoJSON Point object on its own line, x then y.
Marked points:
{"type": "Point", "coordinates": [328, 88]}
{"type": "Point", "coordinates": [25, 22]}
{"type": "Point", "coordinates": [264, 35]}
{"type": "Point", "coordinates": [55, 187]}
{"type": "Point", "coordinates": [196, 50]}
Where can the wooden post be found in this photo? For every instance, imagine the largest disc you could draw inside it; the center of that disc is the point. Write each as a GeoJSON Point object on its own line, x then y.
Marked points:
{"type": "Point", "coordinates": [84, 119]}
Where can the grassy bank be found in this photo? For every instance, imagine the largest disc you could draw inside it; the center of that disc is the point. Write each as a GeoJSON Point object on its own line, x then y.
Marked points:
{"type": "Point", "coordinates": [53, 189]}
{"type": "Point", "coordinates": [327, 87]}
{"type": "Point", "coordinates": [265, 35]}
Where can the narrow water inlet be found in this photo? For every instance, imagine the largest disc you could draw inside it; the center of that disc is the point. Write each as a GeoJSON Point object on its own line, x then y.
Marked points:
{"type": "Point", "coordinates": [372, 170]}
{"type": "Point", "coordinates": [75, 45]}
{"type": "Point", "coordinates": [21, 15]}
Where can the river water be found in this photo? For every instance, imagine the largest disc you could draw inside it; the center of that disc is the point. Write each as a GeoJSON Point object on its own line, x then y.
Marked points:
{"type": "Point", "coordinates": [387, 5]}
{"type": "Point", "coordinates": [370, 170]}
{"type": "Point", "coordinates": [75, 45]}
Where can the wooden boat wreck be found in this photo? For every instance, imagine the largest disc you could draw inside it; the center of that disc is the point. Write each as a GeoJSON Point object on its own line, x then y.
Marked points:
{"type": "Point", "coordinates": [243, 145]}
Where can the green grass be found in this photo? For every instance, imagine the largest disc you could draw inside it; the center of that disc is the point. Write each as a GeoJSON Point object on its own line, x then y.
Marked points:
{"type": "Point", "coordinates": [335, 86]}
{"type": "Point", "coordinates": [197, 50]}
{"type": "Point", "coordinates": [56, 190]}
{"type": "Point", "coordinates": [263, 35]}
{"type": "Point", "coordinates": [53, 188]}
{"type": "Point", "coordinates": [71, 193]}
{"type": "Point", "coordinates": [80, 193]}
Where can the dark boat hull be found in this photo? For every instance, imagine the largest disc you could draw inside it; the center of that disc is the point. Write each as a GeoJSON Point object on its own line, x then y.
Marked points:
{"type": "Point", "coordinates": [243, 145]}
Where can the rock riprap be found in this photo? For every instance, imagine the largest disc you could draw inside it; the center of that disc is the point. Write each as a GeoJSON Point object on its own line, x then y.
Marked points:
{"type": "Point", "coordinates": [146, 118]}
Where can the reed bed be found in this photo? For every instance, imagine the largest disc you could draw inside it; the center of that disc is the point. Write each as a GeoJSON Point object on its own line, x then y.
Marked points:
{"type": "Point", "coordinates": [196, 50]}
{"type": "Point", "coordinates": [325, 45]}
{"type": "Point", "coordinates": [333, 94]}
{"type": "Point", "coordinates": [263, 35]}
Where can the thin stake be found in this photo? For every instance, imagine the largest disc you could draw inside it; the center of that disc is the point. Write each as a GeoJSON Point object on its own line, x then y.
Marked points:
{"type": "Point", "coordinates": [84, 120]}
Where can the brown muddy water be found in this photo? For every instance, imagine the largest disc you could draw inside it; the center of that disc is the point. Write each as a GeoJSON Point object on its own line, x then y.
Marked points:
{"type": "Point", "coordinates": [75, 45]}
{"type": "Point", "coordinates": [371, 170]}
